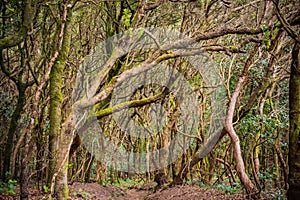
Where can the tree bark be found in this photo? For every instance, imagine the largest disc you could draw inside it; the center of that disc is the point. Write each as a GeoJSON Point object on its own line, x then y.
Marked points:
{"type": "Point", "coordinates": [294, 132]}
{"type": "Point", "coordinates": [59, 136]}
{"type": "Point", "coordinates": [13, 127]}
{"type": "Point", "coordinates": [237, 153]}
{"type": "Point", "coordinates": [24, 179]}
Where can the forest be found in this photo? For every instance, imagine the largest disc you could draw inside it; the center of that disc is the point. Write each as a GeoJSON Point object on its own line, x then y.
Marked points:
{"type": "Point", "coordinates": [149, 99]}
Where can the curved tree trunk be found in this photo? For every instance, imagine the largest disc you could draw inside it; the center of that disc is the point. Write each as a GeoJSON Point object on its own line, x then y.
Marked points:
{"type": "Point", "coordinates": [237, 154]}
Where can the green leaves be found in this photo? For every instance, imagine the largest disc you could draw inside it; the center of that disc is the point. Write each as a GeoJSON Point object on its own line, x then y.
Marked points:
{"type": "Point", "coordinates": [228, 189]}
{"type": "Point", "coordinates": [69, 166]}
{"type": "Point", "coordinates": [46, 189]}
{"type": "Point", "coordinates": [126, 17]}
{"type": "Point", "coordinates": [8, 187]}
{"type": "Point", "coordinates": [277, 24]}
{"type": "Point", "coordinates": [267, 36]}
{"type": "Point", "coordinates": [264, 28]}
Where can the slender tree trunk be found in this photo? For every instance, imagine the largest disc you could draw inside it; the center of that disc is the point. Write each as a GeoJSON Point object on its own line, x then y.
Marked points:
{"type": "Point", "coordinates": [24, 167]}
{"type": "Point", "coordinates": [237, 153]}
{"type": "Point", "coordinates": [294, 133]}
{"type": "Point", "coordinates": [12, 129]}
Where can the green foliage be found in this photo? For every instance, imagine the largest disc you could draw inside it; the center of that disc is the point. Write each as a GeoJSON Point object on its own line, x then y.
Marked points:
{"type": "Point", "coordinates": [127, 183]}
{"type": "Point", "coordinates": [46, 189]}
{"type": "Point", "coordinates": [6, 106]}
{"type": "Point", "coordinates": [265, 176]}
{"type": "Point", "coordinates": [47, 197]}
{"type": "Point", "coordinates": [252, 123]}
{"type": "Point", "coordinates": [8, 187]}
{"type": "Point", "coordinates": [267, 36]}
{"type": "Point", "coordinates": [228, 189]}
{"type": "Point", "coordinates": [195, 81]}
{"type": "Point", "coordinates": [126, 17]}
{"type": "Point", "coordinates": [69, 166]}
{"type": "Point", "coordinates": [277, 24]}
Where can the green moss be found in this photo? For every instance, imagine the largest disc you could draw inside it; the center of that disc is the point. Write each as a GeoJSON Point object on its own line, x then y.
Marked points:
{"type": "Point", "coordinates": [56, 99]}
{"type": "Point", "coordinates": [5, 41]}
{"type": "Point", "coordinates": [257, 149]}
{"type": "Point", "coordinates": [104, 112]}
{"type": "Point", "coordinates": [133, 103]}
{"type": "Point", "coordinates": [65, 192]}
{"type": "Point", "coordinates": [232, 47]}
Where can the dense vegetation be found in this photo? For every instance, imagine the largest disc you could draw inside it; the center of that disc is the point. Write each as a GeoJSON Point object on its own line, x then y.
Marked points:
{"type": "Point", "coordinates": [225, 94]}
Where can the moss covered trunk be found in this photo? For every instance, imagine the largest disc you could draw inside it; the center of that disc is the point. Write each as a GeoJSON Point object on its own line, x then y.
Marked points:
{"type": "Point", "coordinates": [58, 162]}
{"type": "Point", "coordinates": [294, 134]}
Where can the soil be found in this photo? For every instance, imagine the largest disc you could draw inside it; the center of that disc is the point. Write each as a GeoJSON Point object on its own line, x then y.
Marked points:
{"type": "Point", "coordinates": [94, 191]}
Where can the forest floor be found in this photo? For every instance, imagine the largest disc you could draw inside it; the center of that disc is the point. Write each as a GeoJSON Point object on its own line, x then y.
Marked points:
{"type": "Point", "coordinates": [79, 191]}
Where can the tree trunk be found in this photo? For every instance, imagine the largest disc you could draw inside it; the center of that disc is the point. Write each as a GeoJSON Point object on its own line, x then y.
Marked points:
{"type": "Point", "coordinates": [237, 153]}
{"type": "Point", "coordinates": [59, 181]}
{"type": "Point", "coordinates": [294, 133]}
{"type": "Point", "coordinates": [59, 136]}
{"type": "Point", "coordinates": [12, 129]}
{"type": "Point", "coordinates": [24, 180]}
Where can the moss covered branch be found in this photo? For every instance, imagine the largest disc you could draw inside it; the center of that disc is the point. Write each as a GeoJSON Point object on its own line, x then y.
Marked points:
{"type": "Point", "coordinates": [128, 104]}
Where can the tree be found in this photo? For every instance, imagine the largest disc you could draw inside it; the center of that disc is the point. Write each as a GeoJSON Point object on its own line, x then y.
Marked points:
{"type": "Point", "coordinates": [57, 136]}
{"type": "Point", "coordinates": [294, 133]}
{"type": "Point", "coordinates": [8, 42]}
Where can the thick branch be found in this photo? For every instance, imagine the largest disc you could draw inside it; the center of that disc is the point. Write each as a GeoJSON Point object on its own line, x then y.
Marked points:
{"type": "Point", "coordinates": [185, 43]}
{"type": "Point", "coordinates": [130, 104]}
{"type": "Point", "coordinates": [227, 31]}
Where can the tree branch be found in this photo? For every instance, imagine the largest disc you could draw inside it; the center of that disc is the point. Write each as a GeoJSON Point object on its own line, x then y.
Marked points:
{"type": "Point", "coordinates": [227, 31]}
{"type": "Point", "coordinates": [129, 104]}
{"type": "Point", "coordinates": [287, 27]}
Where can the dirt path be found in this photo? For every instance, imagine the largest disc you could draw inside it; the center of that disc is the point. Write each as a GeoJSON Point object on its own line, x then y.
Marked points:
{"type": "Point", "coordinates": [185, 192]}
{"type": "Point", "coordinates": [134, 194]}
{"type": "Point", "coordinates": [94, 191]}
